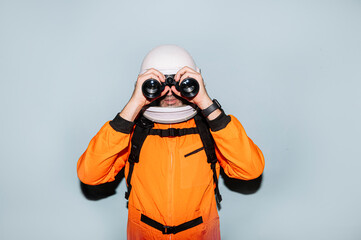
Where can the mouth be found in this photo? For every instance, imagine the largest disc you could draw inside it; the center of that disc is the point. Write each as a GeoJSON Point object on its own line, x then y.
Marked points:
{"type": "Point", "coordinates": [170, 100]}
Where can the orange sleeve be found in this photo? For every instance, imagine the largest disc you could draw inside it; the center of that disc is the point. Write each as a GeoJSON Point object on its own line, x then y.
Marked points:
{"type": "Point", "coordinates": [237, 154]}
{"type": "Point", "coordinates": [106, 154]}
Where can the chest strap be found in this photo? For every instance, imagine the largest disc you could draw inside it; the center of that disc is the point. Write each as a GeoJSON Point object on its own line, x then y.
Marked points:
{"type": "Point", "coordinates": [171, 229]}
{"type": "Point", "coordinates": [173, 132]}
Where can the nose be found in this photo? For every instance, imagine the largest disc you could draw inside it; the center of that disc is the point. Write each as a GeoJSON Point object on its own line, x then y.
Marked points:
{"type": "Point", "coordinates": [170, 93]}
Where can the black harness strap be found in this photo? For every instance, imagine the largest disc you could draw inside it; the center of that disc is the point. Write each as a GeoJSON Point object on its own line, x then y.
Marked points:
{"type": "Point", "coordinates": [173, 132]}
{"type": "Point", "coordinates": [171, 229]}
{"type": "Point", "coordinates": [143, 128]}
{"type": "Point", "coordinates": [216, 190]}
{"type": "Point", "coordinates": [141, 132]}
{"type": "Point", "coordinates": [209, 148]}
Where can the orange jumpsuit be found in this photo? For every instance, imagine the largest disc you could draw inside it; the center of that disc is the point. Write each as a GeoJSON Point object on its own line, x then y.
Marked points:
{"type": "Point", "coordinates": [172, 183]}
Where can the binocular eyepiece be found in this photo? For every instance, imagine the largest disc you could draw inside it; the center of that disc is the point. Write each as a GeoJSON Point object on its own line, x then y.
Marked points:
{"type": "Point", "coordinates": [152, 88]}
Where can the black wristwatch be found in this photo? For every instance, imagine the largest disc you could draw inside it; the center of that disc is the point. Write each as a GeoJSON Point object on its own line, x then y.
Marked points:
{"type": "Point", "coordinates": [212, 108]}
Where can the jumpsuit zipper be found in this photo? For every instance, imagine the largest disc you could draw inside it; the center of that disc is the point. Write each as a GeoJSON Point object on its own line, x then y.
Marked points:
{"type": "Point", "coordinates": [171, 185]}
{"type": "Point", "coordinates": [171, 166]}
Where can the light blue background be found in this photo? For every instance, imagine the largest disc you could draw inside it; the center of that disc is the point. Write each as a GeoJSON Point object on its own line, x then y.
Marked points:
{"type": "Point", "coordinates": [290, 71]}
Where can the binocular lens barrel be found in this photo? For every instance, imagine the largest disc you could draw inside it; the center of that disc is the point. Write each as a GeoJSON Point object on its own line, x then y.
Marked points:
{"type": "Point", "coordinates": [152, 88]}
{"type": "Point", "coordinates": [189, 87]}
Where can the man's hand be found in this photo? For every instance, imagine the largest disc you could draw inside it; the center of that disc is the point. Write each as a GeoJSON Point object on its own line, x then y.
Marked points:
{"type": "Point", "coordinates": [138, 96]}
{"type": "Point", "coordinates": [138, 101]}
{"type": "Point", "coordinates": [202, 100]}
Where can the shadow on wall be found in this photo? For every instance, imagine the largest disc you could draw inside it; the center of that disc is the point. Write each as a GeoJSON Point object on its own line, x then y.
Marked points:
{"type": "Point", "coordinates": [105, 190]}
{"type": "Point", "coordinates": [242, 186]}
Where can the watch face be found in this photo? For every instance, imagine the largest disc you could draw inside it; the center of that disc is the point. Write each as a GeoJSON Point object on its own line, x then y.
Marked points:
{"type": "Point", "coordinates": [216, 102]}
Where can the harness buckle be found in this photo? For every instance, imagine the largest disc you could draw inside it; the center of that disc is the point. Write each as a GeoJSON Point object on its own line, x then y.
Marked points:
{"type": "Point", "coordinates": [146, 123]}
{"type": "Point", "coordinates": [172, 132]}
{"type": "Point", "coordinates": [168, 230]}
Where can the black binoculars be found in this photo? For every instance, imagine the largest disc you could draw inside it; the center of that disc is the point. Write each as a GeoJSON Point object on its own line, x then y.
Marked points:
{"type": "Point", "coordinates": [152, 88]}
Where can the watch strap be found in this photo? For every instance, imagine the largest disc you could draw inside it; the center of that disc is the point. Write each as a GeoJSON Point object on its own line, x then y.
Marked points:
{"type": "Point", "coordinates": [212, 108]}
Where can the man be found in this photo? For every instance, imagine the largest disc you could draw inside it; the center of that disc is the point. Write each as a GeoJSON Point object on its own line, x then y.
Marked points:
{"type": "Point", "coordinates": [171, 170]}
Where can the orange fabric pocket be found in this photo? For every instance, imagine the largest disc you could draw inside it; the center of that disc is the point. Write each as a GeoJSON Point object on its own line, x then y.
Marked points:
{"type": "Point", "coordinates": [195, 170]}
